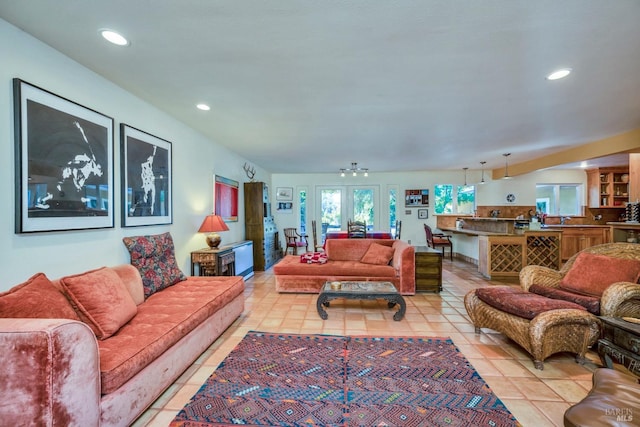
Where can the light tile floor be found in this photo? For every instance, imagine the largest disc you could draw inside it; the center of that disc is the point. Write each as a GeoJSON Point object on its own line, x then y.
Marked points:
{"type": "Point", "coordinates": [536, 398]}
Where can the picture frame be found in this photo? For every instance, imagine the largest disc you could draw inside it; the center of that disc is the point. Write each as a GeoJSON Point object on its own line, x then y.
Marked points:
{"type": "Point", "coordinates": [285, 207]}
{"type": "Point", "coordinates": [146, 169]}
{"type": "Point", "coordinates": [423, 213]}
{"type": "Point", "coordinates": [284, 194]}
{"type": "Point", "coordinates": [225, 198]}
{"type": "Point", "coordinates": [418, 198]}
{"type": "Point", "coordinates": [63, 163]}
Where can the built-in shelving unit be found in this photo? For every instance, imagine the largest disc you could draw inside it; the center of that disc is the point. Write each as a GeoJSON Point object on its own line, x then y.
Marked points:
{"type": "Point", "coordinates": [608, 187]}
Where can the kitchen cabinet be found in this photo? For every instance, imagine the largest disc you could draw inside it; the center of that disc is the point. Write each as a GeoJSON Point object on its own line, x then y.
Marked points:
{"type": "Point", "coordinates": [624, 231]}
{"type": "Point", "coordinates": [505, 255]}
{"type": "Point", "coordinates": [608, 187]}
{"type": "Point", "coordinates": [576, 238]}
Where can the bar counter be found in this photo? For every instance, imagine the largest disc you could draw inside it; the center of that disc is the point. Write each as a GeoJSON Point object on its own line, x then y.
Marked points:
{"type": "Point", "coordinates": [504, 254]}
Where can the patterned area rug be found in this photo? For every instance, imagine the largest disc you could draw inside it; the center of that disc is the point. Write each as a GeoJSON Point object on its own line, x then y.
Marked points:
{"type": "Point", "coordinates": [325, 380]}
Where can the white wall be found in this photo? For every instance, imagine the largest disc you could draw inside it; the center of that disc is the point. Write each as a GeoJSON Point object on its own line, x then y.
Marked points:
{"type": "Point", "coordinates": [195, 160]}
{"type": "Point", "coordinates": [493, 193]}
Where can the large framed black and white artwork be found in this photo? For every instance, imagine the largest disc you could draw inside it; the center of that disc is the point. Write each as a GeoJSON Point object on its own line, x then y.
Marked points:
{"type": "Point", "coordinates": [63, 163]}
{"type": "Point", "coordinates": [146, 178]}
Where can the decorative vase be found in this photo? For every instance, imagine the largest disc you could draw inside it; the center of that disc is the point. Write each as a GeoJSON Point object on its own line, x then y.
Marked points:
{"type": "Point", "coordinates": [624, 178]}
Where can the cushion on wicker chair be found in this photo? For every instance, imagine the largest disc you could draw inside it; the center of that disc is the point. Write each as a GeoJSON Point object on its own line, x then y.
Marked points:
{"type": "Point", "coordinates": [591, 274]}
{"type": "Point", "coordinates": [591, 303]}
{"type": "Point", "coordinates": [520, 302]}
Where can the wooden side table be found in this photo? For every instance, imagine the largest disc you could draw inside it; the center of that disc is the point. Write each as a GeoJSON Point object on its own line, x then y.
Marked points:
{"type": "Point", "coordinates": [428, 269]}
{"type": "Point", "coordinates": [620, 343]}
{"type": "Point", "coordinates": [213, 262]}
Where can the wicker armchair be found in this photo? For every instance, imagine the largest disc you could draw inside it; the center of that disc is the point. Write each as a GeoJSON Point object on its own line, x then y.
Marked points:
{"type": "Point", "coordinates": [620, 299]}
{"type": "Point", "coordinates": [559, 330]}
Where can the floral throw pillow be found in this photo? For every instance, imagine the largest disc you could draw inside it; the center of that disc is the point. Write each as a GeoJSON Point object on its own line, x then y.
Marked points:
{"type": "Point", "coordinates": [155, 259]}
{"type": "Point", "coordinates": [313, 258]}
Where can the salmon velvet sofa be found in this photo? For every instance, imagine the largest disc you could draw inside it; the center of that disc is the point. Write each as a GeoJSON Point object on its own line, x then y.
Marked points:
{"type": "Point", "coordinates": [351, 259]}
{"type": "Point", "coordinates": [97, 349]}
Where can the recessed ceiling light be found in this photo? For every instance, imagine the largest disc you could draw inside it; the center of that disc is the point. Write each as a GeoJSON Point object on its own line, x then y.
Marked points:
{"type": "Point", "coordinates": [559, 74]}
{"type": "Point", "coordinates": [203, 107]}
{"type": "Point", "coordinates": [114, 37]}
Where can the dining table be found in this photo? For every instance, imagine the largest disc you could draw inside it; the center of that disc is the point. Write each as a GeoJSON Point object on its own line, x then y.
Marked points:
{"type": "Point", "coordinates": [343, 234]}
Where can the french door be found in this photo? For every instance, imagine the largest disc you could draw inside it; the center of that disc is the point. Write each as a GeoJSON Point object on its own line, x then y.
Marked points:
{"type": "Point", "coordinates": [335, 205]}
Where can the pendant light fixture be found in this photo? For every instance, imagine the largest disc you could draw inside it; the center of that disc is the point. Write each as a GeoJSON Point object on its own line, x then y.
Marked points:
{"type": "Point", "coordinates": [354, 169]}
{"type": "Point", "coordinates": [506, 166]}
{"type": "Point", "coordinates": [482, 181]}
{"type": "Point", "coordinates": [465, 176]}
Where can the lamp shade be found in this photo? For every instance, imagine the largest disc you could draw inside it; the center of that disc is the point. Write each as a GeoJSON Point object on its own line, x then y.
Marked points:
{"type": "Point", "coordinates": [212, 224]}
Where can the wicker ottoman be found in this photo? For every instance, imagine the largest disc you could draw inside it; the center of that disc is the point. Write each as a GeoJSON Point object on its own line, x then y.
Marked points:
{"type": "Point", "coordinates": [550, 332]}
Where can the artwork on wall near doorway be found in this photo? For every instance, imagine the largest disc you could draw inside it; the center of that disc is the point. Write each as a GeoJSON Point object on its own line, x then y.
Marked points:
{"type": "Point", "coordinates": [63, 163]}
{"type": "Point", "coordinates": [285, 207]}
{"type": "Point", "coordinates": [226, 198]}
{"type": "Point", "coordinates": [146, 178]}
{"type": "Point", "coordinates": [416, 198]}
{"type": "Point", "coordinates": [284, 194]}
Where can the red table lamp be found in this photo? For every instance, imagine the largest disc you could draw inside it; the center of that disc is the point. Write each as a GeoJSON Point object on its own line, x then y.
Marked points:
{"type": "Point", "coordinates": [212, 224]}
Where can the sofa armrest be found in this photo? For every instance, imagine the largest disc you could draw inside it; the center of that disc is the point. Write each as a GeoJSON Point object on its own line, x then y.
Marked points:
{"type": "Point", "coordinates": [621, 299]}
{"type": "Point", "coordinates": [50, 373]}
{"type": "Point", "coordinates": [539, 275]}
{"type": "Point", "coordinates": [404, 262]}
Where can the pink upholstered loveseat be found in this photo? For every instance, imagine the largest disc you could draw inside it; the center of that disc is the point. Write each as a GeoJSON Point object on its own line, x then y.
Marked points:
{"type": "Point", "coordinates": [103, 363]}
{"type": "Point", "coordinates": [351, 259]}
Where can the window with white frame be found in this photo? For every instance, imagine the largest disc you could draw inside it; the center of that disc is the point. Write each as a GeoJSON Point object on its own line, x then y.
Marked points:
{"type": "Point", "coordinates": [559, 199]}
{"type": "Point", "coordinates": [454, 199]}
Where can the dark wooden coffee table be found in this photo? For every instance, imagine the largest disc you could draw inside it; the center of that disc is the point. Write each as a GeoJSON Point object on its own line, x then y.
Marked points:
{"type": "Point", "coordinates": [620, 343]}
{"type": "Point", "coordinates": [361, 291]}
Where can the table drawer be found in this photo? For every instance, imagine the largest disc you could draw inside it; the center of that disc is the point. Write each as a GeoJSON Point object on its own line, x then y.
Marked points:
{"type": "Point", "coordinates": [204, 258]}
{"type": "Point", "coordinates": [428, 285]}
{"type": "Point", "coordinates": [227, 258]}
{"type": "Point", "coordinates": [427, 269]}
{"type": "Point", "coordinates": [627, 341]}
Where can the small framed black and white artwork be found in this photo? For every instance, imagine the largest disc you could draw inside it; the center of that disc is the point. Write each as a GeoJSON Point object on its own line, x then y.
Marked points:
{"type": "Point", "coordinates": [284, 194]}
{"type": "Point", "coordinates": [146, 178]}
{"type": "Point", "coordinates": [63, 163]}
{"type": "Point", "coordinates": [423, 213]}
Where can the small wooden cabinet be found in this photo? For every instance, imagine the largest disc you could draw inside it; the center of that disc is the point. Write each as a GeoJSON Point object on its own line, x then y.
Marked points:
{"type": "Point", "coordinates": [260, 226]}
{"type": "Point", "coordinates": [608, 187]}
{"type": "Point", "coordinates": [428, 269]}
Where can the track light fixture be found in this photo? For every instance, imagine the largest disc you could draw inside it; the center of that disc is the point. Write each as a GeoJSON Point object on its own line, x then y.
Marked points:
{"type": "Point", "coordinates": [506, 166]}
{"type": "Point", "coordinates": [354, 169]}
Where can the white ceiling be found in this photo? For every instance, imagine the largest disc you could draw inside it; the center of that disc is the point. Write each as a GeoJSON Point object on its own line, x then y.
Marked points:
{"type": "Point", "coordinates": [310, 86]}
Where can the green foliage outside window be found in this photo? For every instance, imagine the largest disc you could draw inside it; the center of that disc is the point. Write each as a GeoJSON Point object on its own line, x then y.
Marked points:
{"type": "Point", "coordinates": [451, 199]}
{"type": "Point", "coordinates": [392, 208]}
{"type": "Point", "coordinates": [303, 211]}
{"type": "Point", "coordinates": [363, 206]}
{"type": "Point", "coordinates": [331, 205]}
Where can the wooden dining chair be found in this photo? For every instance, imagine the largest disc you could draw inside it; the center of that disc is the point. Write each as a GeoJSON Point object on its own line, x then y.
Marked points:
{"type": "Point", "coordinates": [398, 229]}
{"type": "Point", "coordinates": [316, 247]}
{"type": "Point", "coordinates": [295, 241]}
{"type": "Point", "coordinates": [356, 229]}
{"type": "Point", "coordinates": [439, 240]}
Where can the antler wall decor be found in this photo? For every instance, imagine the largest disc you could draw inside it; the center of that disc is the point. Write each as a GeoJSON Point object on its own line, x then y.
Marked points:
{"type": "Point", "coordinates": [250, 171]}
